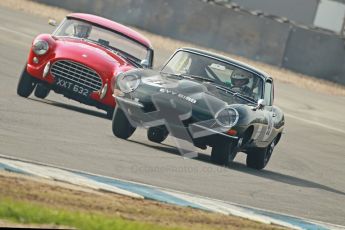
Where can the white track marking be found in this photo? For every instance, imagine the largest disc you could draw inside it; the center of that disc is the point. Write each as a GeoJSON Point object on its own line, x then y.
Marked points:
{"type": "Point", "coordinates": [315, 123]}
{"type": "Point", "coordinates": [65, 176]}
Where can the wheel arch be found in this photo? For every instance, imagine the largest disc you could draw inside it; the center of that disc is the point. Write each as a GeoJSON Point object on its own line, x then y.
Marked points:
{"type": "Point", "coordinates": [247, 135]}
{"type": "Point", "coordinates": [279, 135]}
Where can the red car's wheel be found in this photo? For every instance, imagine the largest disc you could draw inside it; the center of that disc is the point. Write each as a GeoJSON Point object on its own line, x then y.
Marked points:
{"type": "Point", "coordinates": [41, 91]}
{"type": "Point", "coordinates": [110, 113]}
{"type": "Point", "coordinates": [26, 84]}
{"type": "Point", "coordinates": [122, 128]}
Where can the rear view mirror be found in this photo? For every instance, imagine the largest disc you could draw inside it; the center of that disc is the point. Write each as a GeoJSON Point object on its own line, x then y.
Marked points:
{"type": "Point", "coordinates": [52, 22]}
{"type": "Point", "coordinates": [260, 105]}
{"type": "Point", "coordinates": [144, 63]}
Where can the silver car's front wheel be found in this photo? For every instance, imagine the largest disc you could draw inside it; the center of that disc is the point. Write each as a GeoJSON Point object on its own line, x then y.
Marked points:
{"type": "Point", "coordinates": [121, 126]}
{"type": "Point", "coordinates": [223, 153]}
{"type": "Point", "coordinates": [258, 158]}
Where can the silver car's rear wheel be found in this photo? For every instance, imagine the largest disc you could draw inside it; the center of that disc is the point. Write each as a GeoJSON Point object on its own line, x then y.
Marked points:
{"type": "Point", "coordinates": [157, 134]}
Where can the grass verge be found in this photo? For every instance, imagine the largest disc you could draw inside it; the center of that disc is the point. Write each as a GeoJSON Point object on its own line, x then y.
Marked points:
{"type": "Point", "coordinates": [28, 213]}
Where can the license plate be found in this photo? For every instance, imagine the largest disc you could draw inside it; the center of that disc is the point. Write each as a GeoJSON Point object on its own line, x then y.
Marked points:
{"type": "Point", "coordinates": [72, 87]}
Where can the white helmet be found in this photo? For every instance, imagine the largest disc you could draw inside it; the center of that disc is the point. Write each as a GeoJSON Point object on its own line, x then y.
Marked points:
{"type": "Point", "coordinates": [239, 79]}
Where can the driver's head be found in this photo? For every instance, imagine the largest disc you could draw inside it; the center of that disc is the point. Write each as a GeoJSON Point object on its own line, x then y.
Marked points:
{"type": "Point", "coordinates": [239, 79]}
{"type": "Point", "coordinates": [82, 30]}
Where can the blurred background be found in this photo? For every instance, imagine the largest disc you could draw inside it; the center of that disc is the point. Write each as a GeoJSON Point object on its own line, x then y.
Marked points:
{"type": "Point", "coordinates": [306, 36]}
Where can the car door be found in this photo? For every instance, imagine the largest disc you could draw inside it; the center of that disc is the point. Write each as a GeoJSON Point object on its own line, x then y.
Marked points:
{"type": "Point", "coordinates": [269, 112]}
{"type": "Point", "coordinates": [264, 129]}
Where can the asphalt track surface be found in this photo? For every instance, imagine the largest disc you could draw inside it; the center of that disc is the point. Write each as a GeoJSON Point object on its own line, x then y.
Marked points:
{"type": "Point", "coordinates": [305, 176]}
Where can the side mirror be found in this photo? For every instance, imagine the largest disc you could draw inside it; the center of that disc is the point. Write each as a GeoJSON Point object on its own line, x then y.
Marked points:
{"type": "Point", "coordinates": [144, 63]}
{"type": "Point", "coordinates": [52, 22]}
{"type": "Point", "coordinates": [261, 104]}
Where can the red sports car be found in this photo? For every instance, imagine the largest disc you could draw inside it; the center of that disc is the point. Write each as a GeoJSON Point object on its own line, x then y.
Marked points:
{"type": "Point", "coordinates": [81, 58]}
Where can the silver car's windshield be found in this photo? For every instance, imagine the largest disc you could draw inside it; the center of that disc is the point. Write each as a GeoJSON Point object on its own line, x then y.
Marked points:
{"type": "Point", "coordinates": [228, 76]}
{"type": "Point", "coordinates": [107, 38]}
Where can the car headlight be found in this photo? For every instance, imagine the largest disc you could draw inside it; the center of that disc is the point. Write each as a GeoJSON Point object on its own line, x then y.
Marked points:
{"type": "Point", "coordinates": [128, 83]}
{"type": "Point", "coordinates": [40, 47]}
{"type": "Point", "coordinates": [227, 117]}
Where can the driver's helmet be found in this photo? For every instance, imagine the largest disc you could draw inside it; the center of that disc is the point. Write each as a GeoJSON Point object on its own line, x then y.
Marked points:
{"type": "Point", "coordinates": [239, 80]}
{"type": "Point", "coordinates": [82, 30]}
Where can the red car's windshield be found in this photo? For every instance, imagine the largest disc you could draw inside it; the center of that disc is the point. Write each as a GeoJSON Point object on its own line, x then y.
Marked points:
{"type": "Point", "coordinates": [93, 33]}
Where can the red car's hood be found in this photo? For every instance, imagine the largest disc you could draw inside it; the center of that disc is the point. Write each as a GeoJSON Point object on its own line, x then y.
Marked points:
{"type": "Point", "coordinates": [92, 55]}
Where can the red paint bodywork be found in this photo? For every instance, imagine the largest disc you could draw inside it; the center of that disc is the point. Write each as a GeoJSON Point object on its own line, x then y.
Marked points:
{"type": "Point", "coordinates": [107, 64]}
{"type": "Point", "coordinates": [106, 23]}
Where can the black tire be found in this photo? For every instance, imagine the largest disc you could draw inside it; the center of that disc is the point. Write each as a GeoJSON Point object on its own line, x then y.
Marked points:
{"type": "Point", "coordinates": [157, 134]}
{"type": "Point", "coordinates": [223, 153]}
{"type": "Point", "coordinates": [120, 124]}
{"type": "Point", "coordinates": [110, 113]}
{"type": "Point", "coordinates": [258, 158]}
{"type": "Point", "coordinates": [26, 84]}
{"type": "Point", "coordinates": [41, 91]}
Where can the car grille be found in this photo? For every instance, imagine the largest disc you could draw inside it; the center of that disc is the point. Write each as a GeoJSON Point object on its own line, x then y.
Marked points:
{"type": "Point", "coordinates": [77, 73]}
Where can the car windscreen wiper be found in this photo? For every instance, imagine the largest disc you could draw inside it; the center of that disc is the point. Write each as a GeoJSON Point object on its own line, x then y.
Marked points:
{"type": "Point", "coordinates": [95, 42]}
{"type": "Point", "coordinates": [136, 64]}
{"type": "Point", "coordinates": [188, 76]}
{"type": "Point", "coordinates": [245, 97]}
{"type": "Point", "coordinates": [196, 77]}
{"type": "Point", "coordinates": [236, 94]}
